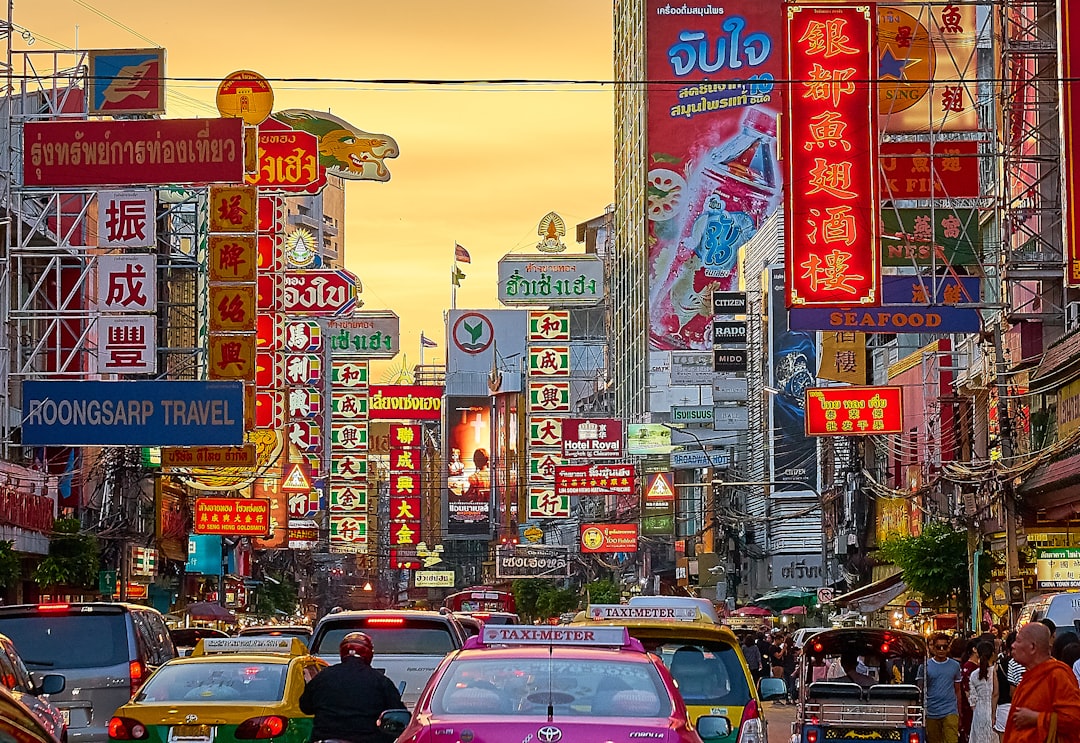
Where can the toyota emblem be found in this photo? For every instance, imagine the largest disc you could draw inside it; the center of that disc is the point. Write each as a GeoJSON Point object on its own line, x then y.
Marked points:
{"type": "Point", "coordinates": [191, 718]}
{"type": "Point", "coordinates": [549, 734]}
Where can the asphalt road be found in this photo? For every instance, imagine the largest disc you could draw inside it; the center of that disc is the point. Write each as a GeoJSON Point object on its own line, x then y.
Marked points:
{"type": "Point", "coordinates": [779, 718]}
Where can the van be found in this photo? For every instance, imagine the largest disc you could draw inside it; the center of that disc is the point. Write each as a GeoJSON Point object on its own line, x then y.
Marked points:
{"type": "Point", "coordinates": [1063, 609]}
{"type": "Point", "coordinates": [105, 651]}
{"type": "Point", "coordinates": [408, 643]}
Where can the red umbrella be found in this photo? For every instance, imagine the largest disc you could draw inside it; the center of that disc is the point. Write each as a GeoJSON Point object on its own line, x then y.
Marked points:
{"type": "Point", "coordinates": [795, 610]}
{"type": "Point", "coordinates": [752, 611]}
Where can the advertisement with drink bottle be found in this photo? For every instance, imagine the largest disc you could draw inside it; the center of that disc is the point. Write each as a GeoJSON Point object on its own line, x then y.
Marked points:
{"type": "Point", "coordinates": [712, 170]}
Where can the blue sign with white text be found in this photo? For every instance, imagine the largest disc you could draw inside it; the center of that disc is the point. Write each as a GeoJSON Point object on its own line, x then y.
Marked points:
{"type": "Point", "coordinates": [906, 308]}
{"type": "Point", "coordinates": [132, 413]}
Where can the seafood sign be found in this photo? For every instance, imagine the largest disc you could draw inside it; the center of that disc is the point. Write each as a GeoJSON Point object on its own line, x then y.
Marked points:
{"type": "Point", "coordinates": [319, 292]}
{"type": "Point", "coordinates": [149, 152]}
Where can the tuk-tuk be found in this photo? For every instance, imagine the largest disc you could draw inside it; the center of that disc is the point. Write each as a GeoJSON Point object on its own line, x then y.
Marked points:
{"type": "Point", "coordinates": [861, 683]}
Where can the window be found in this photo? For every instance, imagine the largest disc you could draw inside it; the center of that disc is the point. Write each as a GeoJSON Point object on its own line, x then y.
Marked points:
{"type": "Point", "coordinates": [47, 641]}
{"type": "Point", "coordinates": [227, 681]}
{"type": "Point", "coordinates": [707, 673]}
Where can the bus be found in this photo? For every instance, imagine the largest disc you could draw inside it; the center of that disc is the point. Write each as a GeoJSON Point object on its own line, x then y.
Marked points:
{"type": "Point", "coordinates": [481, 599]}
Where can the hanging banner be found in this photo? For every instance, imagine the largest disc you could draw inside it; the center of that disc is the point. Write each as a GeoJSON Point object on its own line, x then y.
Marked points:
{"type": "Point", "coordinates": [831, 157]}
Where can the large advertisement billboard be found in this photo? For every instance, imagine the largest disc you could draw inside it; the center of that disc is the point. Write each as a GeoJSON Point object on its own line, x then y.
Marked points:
{"type": "Point", "coordinates": [468, 468]}
{"type": "Point", "coordinates": [712, 168]}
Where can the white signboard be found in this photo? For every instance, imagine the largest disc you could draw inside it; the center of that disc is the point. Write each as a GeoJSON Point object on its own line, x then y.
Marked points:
{"type": "Point", "coordinates": [692, 367]}
{"type": "Point", "coordinates": [553, 282]}
{"type": "Point", "coordinates": [734, 418]}
{"type": "Point", "coordinates": [127, 283]}
{"type": "Point", "coordinates": [728, 389]}
{"type": "Point", "coordinates": [126, 219]}
{"type": "Point", "coordinates": [696, 458]}
{"type": "Point", "coordinates": [127, 344]}
{"type": "Point", "coordinates": [433, 579]}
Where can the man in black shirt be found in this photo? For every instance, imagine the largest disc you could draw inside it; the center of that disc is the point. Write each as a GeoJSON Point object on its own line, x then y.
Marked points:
{"type": "Point", "coordinates": [348, 698]}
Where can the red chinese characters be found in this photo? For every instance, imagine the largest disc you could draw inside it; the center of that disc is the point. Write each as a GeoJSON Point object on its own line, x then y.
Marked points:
{"type": "Point", "coordinates": [405, 493]}
{"type": "Point", "coordinates": [854, 411]}
{"type": "Point", "coordinates": [831, 158]}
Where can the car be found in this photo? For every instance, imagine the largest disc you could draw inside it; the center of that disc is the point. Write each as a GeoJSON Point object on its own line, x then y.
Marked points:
{"type": "Point", "coordinates": [409, 643]}
{"type": "Point", "coordinates": [472, 621]}
{"type": "Point", "coordinates": [34, 696]}
{"type": "Point", "coordinates": [1061, 608]}
{"type": "Point", "coordinates": [551, 683]}
{"type": "Point", "coordinates": [184, 638]}
{"type": "Point", "coordinates": [229, 689]}
{"type": "Point", "coordinates": [801, 635]}
{"type": "Point", "coordinates": [105, 651]}
{"type": "Point", "coordinates": [298, 631]}
{"type": "Point", "coordinates": [704, 657]}
{"type": "Point", "coordinates": [18, 724]}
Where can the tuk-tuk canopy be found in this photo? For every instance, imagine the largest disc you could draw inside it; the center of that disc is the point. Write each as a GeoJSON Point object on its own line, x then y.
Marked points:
{"type": "Point", "coordinates": [887, 643]}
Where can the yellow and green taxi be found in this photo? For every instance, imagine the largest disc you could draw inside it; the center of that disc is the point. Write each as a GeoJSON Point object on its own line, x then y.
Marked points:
{"type": "Point", "coordinates": [703, 657]}
{"type": "Point", "coordinates": [230, 689]}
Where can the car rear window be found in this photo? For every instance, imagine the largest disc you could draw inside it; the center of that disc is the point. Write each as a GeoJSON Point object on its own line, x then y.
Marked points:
{"type": "Point", "coordinates": [708, 673]}
{"type": "Point", "coordinates": [526, 686]}
{"type": "Point", "coordinates": [216, 682]}
{"type": "Point", "coordinates": [47, 641]}
{"type": "Point", "coordinates": [410, 637]}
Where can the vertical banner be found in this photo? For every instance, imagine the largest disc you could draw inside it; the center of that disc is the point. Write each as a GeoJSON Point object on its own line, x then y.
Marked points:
{"type": "Point", "coordinates": [792, 365]}
{"type": "Point", "coordinates": [831, 157]}
{"type": "Point", "coordinates": [711, 136]}
{"type": "Point", "coordinates": [405, 485]}
{"type": "Point", "coordinates": [1069, 23]}
{"type": "Point", "coordinates": [468, 476]}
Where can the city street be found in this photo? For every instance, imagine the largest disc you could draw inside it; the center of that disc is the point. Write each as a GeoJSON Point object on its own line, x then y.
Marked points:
{"type": "Point", "coordinates": [779, 718]}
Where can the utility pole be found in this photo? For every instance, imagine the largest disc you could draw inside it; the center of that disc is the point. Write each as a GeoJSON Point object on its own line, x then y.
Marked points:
{"type": "Point", "coordinates": [1005, 434]}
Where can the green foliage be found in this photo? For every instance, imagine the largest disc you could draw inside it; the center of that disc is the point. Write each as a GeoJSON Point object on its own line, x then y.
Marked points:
{"type": "Point", "coordinates": [73, 558]}
{"type": "Point", "coordinates": [538, 599]}
{"type": "Point", "coordinates": [10, 565]}
{"type": "Point", "coordinates": [272, 599]}
{"type": "Point", "coordinates": [935, 563]}
{"type": "Point", "coordinates": [601, 592]}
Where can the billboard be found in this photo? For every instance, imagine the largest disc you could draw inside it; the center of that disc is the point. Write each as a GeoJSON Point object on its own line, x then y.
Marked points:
{"type": "Point", "coordinates": [232, 516]}
{"type": "Point", "coordinates": [854, 411]}
{"type": "Point", "coordinates": [555, 281]}
{"type": "Point", "coordinates": [132, 413]}
{"type": "Point", "coordinates": [147, 151]}
{"type": "Point", "coordinates": [609, 537]}
{"type": "Point", "coordinates": [929, 170]}
{"type": "Point", "coordinates": [468, 469]}
{"type": "Point", "coordinates": [375, 335]}
{"type": "Point", "coordinates": [831, 139]}
{"type": "Point", "coordinates": [648, 438]}
{"type": "Point", "coordinates": [591, 438]}
{"type": "Point", "coordinates": [405, 402]}
{"type": "Point", "coordinates": [479, 341]}
{"type": "Point", "coordinates": [711, 138]}
{"type": "Point", "coordinates": [923, 237]}
{"type": "Point", "coordinates": [596, 479]}
{"type": "Point", "coordinates": [532, 561]}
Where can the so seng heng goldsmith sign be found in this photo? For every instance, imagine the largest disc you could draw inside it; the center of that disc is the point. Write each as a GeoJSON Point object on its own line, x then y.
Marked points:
{"type": "Point", "coordinates": [567, 280]}
{"type": "Point", "coordinates": [854, 411]}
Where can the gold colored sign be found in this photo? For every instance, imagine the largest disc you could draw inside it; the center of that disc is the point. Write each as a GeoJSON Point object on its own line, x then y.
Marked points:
{"type": "Point", "coordinates": [232, 356]}
{"type": "Point", "coordinates": [208, 456]}
{"type": "Point", "coordinates": [232, 258]}
{"type": "Point", "coordinates": [232, 307]}
{"type": "Point", "coordinates": [245, 95]}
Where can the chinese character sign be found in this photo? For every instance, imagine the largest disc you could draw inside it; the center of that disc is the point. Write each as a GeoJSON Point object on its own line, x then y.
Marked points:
{"type": "Point", "coordinates": [854, 411]}
{"type": "Point", "coordinates": [831, 154]}
{"type": "Point", "coordinates": [1070, 110]}
{"type": "Point", "coordinates": [127, 344]}
{"type": "Point", "coordinates": [127, 283]}
{"type": "Point", "coordinates": [126, 219]}
{"type": "Point", "coordinates": [405, 486]}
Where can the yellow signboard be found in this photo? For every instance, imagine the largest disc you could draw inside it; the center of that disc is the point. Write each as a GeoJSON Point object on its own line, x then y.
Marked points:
{"type": "Point", "coordinates": [208, 456]}
{"type": "Point", "coordinates": [232, 307]}
{"type": "Point", "coordinates": [232, 356]}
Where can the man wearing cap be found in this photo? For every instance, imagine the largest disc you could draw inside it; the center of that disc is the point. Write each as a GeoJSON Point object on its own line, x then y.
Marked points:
{"type": "Point", "coordinates": [347, 699]}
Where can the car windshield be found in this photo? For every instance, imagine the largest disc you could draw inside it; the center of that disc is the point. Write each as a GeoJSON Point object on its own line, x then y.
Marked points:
{"type": "Point", "coordinates": [59, 640]}
{"type": "Point", "coordinates": [707, 672]}
{"type": "Point", "coordinates": [225, 681]}
{"type": "Point", "coordinates": [526, 686]}
{"type": "Point", "coordinates": [426, 639]}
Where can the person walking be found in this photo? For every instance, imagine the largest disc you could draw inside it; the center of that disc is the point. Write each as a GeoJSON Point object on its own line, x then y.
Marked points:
{"type": "Point", "coordinates": [1004, 687]}
{"type": "Point", "coordinates": [752, 655]}
{"type": "Point", "coordinates": [347, 699]}
{"type": "Point", "coordinates": [981, 692]}
{"type": "Point", "coordinates": [941, 678]}
{"type": "Point", "coordinates": [1046, 704]}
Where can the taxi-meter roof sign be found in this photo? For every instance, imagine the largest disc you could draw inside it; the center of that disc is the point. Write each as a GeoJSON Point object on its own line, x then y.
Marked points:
{"type": "Point", "coordinates": [217, 645]}
{"type": "Point", "coordinates": [523, 634]}
{"type": "Point", "coordinates": [621, 611]}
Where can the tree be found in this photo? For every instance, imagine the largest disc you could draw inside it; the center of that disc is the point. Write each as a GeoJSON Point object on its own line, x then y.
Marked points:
{"type": "Point", "coordinates": [277, 595]}
{"type": "Point", "coordinates": [601, 592]}
{"type": "Point", "coordinates": [73, 558]}
{"type": "Point", "coordinates": [935, 563]}
{"type": "Point", "coordinates": [10, 565]}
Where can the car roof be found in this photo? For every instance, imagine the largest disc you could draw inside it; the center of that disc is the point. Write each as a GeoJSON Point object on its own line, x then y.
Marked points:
{"type": "Point", "coordinates": [296, 629]}
{"type": "Point", "coordinates": [545, 651]}
{"type": "Point", "coordinates": [363, 613]}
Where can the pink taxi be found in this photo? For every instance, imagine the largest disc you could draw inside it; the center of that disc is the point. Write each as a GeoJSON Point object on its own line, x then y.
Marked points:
{"type": "Point", "coordinates": [551, 684]}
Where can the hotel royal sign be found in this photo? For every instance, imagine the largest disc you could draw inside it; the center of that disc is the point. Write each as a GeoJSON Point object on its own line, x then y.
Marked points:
{"type": "Point", "coordinates": [831, 157]}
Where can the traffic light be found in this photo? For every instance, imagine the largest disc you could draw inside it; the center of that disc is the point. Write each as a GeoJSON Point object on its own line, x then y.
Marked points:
{"type": "Point", "coordinates": [1016, 591]}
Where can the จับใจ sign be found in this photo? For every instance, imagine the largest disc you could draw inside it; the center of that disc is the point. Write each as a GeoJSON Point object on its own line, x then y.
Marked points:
{"type": "Point", "coordinates": [232, 516]}
{"type": "Point", "coordinates": [854, 411]}
{"type": "Point", "coordinates": [133, 413]}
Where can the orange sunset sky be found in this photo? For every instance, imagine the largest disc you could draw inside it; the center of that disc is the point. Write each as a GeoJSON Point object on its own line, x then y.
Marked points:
{"type": "Point", "coordinates": [480, 164]}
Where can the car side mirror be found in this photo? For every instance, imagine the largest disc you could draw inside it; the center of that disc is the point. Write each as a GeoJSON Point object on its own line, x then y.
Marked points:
{"type": "Point", "coordinates": [52, 683]}
{"type": "Point", "coordinates": [393, 721]}
{"type": "Point", "coordinates": [713, 727]}
{"type": "Point", "coordinates": [772, 688]}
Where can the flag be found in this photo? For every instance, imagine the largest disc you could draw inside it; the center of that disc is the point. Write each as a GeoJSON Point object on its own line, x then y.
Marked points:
{"type": "Point", "coordinates": [426, 342]}
{"type": "Point", "coordinates": [456, 275]}
{"type": "Point", "coordinates": [461, 255]}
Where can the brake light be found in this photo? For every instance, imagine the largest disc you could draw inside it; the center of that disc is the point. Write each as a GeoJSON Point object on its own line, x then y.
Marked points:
{"type": "Point", "coordinates": [53, 607]}
{"type": "Point", "coordinates": [811, 736]}
{"type": "Point", "coordinates": [913, 737]}
{"type": "Point", "coordinates": [124, 728]}
{"type": "Point", "coordinates": [751, 709]}
{"type": "Point", "coordinates": [260, 728]}
{"type": "Point", "coordinates": [138, 675]}
{"type": "Point", "coordinates": [384, 621]}
{"type": "Point", "coordinates": [481, 615]}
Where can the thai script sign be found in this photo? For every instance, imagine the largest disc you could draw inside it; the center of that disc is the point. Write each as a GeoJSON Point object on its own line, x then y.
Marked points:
{"type": "Point", "coordinates": [209, 456]}
{"type": "Point", "coordinates": [532, 562]}
{"type": "Point", "coordinates": [433, 579]}
{"type": "Point", "coordinates": [1058, 568]}
{"type": "Point", "coordinates": [567, 280]}
{"type": "Point", "coordinates": [831, 157]}
{"type": "Point", "coordinates": [374, 335]}
{"type": "Point", "coordinates": [146, 151]}
{"type": "Point", "coordinates": [319, 292]}
{"type": "Point", "coordinates": [405, 402]}
{"type": "Point", "coordinates": [591, 438]}
{"type": "Point", "coordinates": [609, 537]}
{"type": "Point", "coordinates": [906, 309]}
{"type": "Point", "coordinates": [596, 479]}
{"type": "Point", "coordinates": [854, 411]}
{"type": "Point", "coordinates": [232, 516]}
{"type": "Point", "coordinates": [132, 413]}
{"type": "Point", "coordinates": [925, 170]}
{"type": "Point", "coordinates": [912, 237]}
{"type": "Point", "coordinates": [695, 415]}
{"type": "Point", "coordinates": [27, 510]}
{"type": "Point", "coordinates": [288, 162]}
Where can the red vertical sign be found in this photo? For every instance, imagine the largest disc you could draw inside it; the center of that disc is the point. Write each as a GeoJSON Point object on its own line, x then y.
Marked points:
{"type": "Point", "coordinates": [831, 156]}
{"type": "Point", "coordinates": [405, 493]}
{"type": "Point", "coordinates": [1070, 112]}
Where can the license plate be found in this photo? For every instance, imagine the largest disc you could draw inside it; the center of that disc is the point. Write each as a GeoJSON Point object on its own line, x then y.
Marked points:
{"type": "Point", "coordinates": [65, 715]}
{"type": "Point", "coordinates": [192, 733]}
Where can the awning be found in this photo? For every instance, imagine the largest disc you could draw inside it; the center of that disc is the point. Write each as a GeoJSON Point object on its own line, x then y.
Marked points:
{"type": "Point", "coordinates": [1053, 486]}
{"type": "Point", "coordinates": [873, 596]}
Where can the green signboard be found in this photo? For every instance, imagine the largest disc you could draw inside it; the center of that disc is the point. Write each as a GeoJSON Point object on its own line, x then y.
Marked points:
{"type": "Point", "coordinates": [912, 236]}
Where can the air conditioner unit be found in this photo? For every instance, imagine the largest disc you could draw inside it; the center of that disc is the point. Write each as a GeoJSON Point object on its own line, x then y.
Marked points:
{"type": "Point", "coordinates": [1072, 316]}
